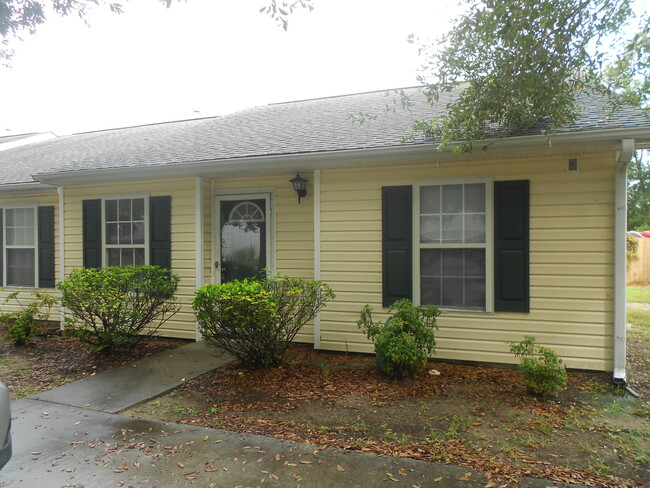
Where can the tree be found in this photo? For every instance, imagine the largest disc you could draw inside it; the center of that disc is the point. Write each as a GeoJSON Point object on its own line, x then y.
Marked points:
{"type": "Point", "coordinates": [514, 64]}
{"type": "Point", "coordinates": [638, 192]}
{"type": "Point", "coordinates": [18, 17]}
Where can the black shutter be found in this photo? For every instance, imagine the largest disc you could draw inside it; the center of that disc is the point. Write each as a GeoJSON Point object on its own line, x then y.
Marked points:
{"type": "Point", "coordinates": [160, 231]}
{"type": "Point", "coordinates": [511, 246]}
{"type": "Point", "coordinates": [92, 233]}
{"type": "Point", "coordinates": [2, 249]}
{"type": "Point", "coordinates": [46, 247]}
{"type": "Point", "coordinates": [397, 246]}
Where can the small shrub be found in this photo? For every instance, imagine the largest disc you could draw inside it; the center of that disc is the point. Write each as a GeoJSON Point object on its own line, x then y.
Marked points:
{"type": "Point", "coordinates": [543, 371]}
{"type": "Point", "coordinates": [256, 320]}
{"type": "Point", "coordinates": [118, 305]}
{"type": "Point", "coordinates": [23, 322]}
{"type": "Point", "coordinates": [404, 343]}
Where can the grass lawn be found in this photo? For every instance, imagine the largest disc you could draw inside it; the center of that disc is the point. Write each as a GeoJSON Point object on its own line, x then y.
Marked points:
{"type": "Point", "coordinates": [638, 294]}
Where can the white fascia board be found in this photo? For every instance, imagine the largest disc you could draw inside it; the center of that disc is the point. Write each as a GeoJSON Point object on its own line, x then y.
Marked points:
{"type": "Point", "coordinates": [407, 153]}
{"type": "Point", "coordinates": [17, 188]}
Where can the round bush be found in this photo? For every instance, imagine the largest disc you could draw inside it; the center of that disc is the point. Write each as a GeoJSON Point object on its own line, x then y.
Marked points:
{"type": "Point", "coordinates": [117, 305]}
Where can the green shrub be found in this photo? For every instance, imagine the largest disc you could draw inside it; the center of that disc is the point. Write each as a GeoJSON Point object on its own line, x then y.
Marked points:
{"type": "Point", "coordinates": [116, 306]}
{"type": "Point", "coordinates": [404, 343]}
{"type": "Point", "coordinates": [543, 371]}
{"type": "Point", "coordinates": [22, 323]}
{"type": "Point", "coordinates": [257, 319]}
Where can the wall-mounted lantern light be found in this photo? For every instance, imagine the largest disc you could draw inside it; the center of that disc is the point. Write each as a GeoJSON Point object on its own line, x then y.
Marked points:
{"type": "Point", "coordinates": [299, 186]}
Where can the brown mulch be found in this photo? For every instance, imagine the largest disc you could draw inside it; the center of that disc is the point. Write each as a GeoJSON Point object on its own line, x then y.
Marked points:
{"type": "Point", "coordinates": [269, 402]}
{"type": "Point", "coordinates": [51, 360]}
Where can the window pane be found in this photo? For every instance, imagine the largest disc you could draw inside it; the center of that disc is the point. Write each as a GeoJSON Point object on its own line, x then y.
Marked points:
{"type": "Point", "coordinates": [475, 293]}
{"type": "Point", "coordinates": [138, 258]}
{"type": "Point", "coordinates": [430, 229]}
{"type": "Point", "coordinates": [113, 257]}
{"type": "Point", "coordinates": [475, 228]}
{"type": "Point", "coordinates": [11, 236]}
{"type": "Point", "coordinates": [452, 262]}
{"type": "Point", "coordinates": [125, 210]}
{"type": "Point", "coordinates": [19, 217]}
{"type": "Point", "coordinates": [127, 257]}
{"type": "Point", "coordinates": [452, 292]}
{"type": "Point", "coordinates": [431, 291]}
{"type": "Point", "coordinates": [452, 228]}
{"type": "Point", "coordinates": [20, 267]}
{"type": "Point", "coordinates": [11, 217]}
{"type": "Point", "coordinates": [475, 263]}
{"type": "Point", "coordinates": [475, 197]}
{"type": "Point", "coordinates": [29, 217]}
{"type": "Point", "coordinates": [111, 210]}
{"type": "Point", "coordinates": [430, 262]}
{"type": "Point", "coordinates": [111, 233]}
{"type": "Point", "coordinates": [124, 233]}
{"type": "Point", "coordinates": [19, 236]}
{"type": "Point", "coordinates": [430, 199]}
{"type": "Point", "coordinates": [452, 198]}
{"type": "Point", "coordinates": [138, 232]}
{"type": "Point", "coordinates": [138, 209]}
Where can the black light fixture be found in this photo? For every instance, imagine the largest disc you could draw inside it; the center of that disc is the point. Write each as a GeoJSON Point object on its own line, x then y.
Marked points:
{"type": "Point", "coordinates": [300, 186]}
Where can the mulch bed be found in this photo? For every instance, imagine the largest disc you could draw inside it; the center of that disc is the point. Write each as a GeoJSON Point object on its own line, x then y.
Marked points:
{"type": "Point", "coordinates": [269, 401]}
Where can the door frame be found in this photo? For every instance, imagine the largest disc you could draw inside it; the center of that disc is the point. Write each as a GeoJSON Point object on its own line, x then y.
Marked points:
{"type": "Point", "coordinates": [266, 194]}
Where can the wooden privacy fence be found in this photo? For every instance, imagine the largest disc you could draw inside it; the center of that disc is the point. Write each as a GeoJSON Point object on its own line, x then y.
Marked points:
{"type": "Point", "coordinates": [638, 270]}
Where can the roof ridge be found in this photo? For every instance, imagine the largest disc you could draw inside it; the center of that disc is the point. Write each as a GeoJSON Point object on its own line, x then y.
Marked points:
{"type": "Point", "coordinates": [346, 95]}
{"type": "Point", "coordinates": [151, 124]}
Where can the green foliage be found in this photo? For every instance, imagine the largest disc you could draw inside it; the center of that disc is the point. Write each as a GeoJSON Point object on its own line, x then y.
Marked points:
{"type": "Point", "coordinates": [23, 322]}
{"type": "Point", "coordinates": [256, 319]}
{"type": "Point", "coordinates": [116, 306]}
{"type": "Point", "coordinates": [404, 343]}
{"type": "Point", "coordinates": [543, 371]}
{"type": "Point", "coordinates": [638, 192]}
{"type": "Point", "coordinates": [631, 248]}
{"type": "Point", "coordinates": [512, 65]}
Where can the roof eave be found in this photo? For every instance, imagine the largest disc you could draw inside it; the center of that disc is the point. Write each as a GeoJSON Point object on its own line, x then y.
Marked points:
{"type": "Point", "coordinates": [27, 187]}
{"type": "Point", "coordinates": [406, 153]}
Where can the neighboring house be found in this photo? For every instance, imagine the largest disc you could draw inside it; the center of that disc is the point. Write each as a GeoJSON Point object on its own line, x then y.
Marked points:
{"type": "Point", "coordinates": [524, 238]}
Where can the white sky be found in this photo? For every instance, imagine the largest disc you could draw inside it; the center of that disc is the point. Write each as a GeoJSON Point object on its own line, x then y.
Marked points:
{"type": "Point", "coordinates": [207, 57]}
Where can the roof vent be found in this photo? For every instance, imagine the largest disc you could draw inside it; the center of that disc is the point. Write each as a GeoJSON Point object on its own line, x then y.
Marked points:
{"type": "Point", "coordinates": [572, 164]}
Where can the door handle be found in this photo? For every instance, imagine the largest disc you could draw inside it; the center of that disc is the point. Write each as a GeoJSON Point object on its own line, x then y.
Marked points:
{"type": "Point", "coordinates": [216, 264]}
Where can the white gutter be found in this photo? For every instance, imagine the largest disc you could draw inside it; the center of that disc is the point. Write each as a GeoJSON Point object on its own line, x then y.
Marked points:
{"type": "Point", "coordinates": [198, 225]}
{"type": "Point", "coordinates": [404, 154]}
{"type": "Point", "coordinates": [10, 188]}
{"type": "Point", "coordinates": [61, 192]}
{"type": "Point", "coordinates": [317, 250]}
{"type": "Point", "coordinates": [620, 232]}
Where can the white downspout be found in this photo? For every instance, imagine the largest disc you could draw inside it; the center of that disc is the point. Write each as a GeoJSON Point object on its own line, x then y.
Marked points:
{"type": "Point", "coordinates": [61, 250]}
{"type": "Point", "coordinates": [317, 264]}
{"type": "Point", "coordinates": [198, 237]}
{"type": "Point", "coordinates": [620, 282]}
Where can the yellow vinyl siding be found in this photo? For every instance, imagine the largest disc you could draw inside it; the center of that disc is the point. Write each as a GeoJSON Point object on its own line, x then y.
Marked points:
{"type": "Point", "coordinates": [293, 239]}
{"type": "Point", "coordinates": [571, 259]}
{"type": "Point", "coordinates": [182, 193]}
{"type": "Point", "coordinates": [42, 199]}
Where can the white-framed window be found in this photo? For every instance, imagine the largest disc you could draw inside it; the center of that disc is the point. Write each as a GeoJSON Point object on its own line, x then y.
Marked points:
{"type": "Point", "coordinates": [125, 220]}
{"type": "Point", "coordinates": [453, 243]}
{"type": "Point", "coordinates": [20, 245]}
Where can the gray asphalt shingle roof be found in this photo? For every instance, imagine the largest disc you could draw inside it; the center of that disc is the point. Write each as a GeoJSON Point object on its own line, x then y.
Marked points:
{"type": "Point", "coordinates": [301, 127]}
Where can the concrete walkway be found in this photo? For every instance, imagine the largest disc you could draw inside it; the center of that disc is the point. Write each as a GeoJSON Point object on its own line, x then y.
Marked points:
{"type": "Point", "coordinates": [70, 437]}
{"type": "Point", "coordinates": [114, 390]}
